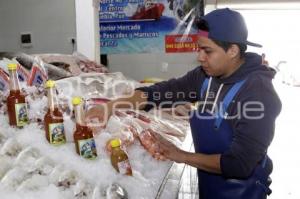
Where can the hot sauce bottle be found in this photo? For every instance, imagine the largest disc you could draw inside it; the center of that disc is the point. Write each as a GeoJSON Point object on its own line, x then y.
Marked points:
{"type": "Point", "coordinates": [16, 104]}
{"type": "Point", "coordinates": [83, 135]}
{"type": "Point", "coordinates": [53, 119]}
{"type": "Point", "coordinates": [119, 158]}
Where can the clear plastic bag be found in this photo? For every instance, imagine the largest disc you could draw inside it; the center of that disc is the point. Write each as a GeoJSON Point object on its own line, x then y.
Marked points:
{"type": "Point", "coordinates": [130, 125]}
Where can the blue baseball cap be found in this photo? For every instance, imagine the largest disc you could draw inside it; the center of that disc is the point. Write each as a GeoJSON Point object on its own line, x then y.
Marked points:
{"type": "Point", "coordinates": [226, 25]}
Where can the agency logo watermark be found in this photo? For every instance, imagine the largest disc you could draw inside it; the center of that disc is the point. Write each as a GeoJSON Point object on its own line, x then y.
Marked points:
{"type": "Point", "coordinates": [177, 104]}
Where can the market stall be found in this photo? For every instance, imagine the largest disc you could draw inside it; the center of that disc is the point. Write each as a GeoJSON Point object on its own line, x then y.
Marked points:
{"type": "Point", "coordinates": [30, 167]}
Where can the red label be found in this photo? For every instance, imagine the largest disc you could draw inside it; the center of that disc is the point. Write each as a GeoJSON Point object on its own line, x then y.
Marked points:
{"type": "Point", "coordinates": [37, 76]}
{"type": "Point", "coordinates": [23, 74]}
{"type": "Point", "coordinates": [181, 43]}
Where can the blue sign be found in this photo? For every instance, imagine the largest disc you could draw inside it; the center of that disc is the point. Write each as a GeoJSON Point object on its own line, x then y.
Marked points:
{"type": "Point", "coordinates": [143, 26]}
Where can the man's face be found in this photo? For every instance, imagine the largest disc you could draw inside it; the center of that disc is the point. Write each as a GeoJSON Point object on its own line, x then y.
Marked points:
{"type": "Point", "coordinates": [213, 59]}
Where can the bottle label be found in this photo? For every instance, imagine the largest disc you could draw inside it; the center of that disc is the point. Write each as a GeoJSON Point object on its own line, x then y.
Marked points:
{"type": "Point", "coordinates": [124, 167]}
{"type": "Point", "coordinates": [57, 133]}
{"type": "Point", "coordinates": [87, 148]}
{"type": "Point", "coordinates": [21, 114]}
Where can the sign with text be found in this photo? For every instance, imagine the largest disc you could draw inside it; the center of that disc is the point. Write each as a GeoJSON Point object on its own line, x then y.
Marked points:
{"type": "Point", "coordinates": [147, 26]}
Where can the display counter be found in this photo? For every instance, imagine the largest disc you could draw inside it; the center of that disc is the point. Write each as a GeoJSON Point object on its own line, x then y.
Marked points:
{"type": "Point", "coordinates": [32, 168]}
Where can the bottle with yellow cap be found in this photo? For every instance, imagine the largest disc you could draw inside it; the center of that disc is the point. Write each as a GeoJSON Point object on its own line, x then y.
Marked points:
{"type": "Point", "coordinates": [53, 119]}
{"type": "Point", "coordinates": [16, 103]}
{"type": "Point", "coordinates": [83, 135]}
{"type": "Point", "coordinates": [119, 158]}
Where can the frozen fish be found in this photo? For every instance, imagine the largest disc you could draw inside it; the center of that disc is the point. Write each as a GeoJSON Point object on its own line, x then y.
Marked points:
{"type": "Point", "coordinates": [11, 148]}
{"type": "Point", "coordinates": [28, 61]}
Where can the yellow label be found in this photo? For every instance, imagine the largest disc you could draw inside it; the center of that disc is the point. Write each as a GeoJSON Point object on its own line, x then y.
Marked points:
{"type": "Point", "coordinates": [21, 114]}
{"type": "Point", "coordinates": [57, 133]}
{"type": "Point", "coordinates": [87, 148]}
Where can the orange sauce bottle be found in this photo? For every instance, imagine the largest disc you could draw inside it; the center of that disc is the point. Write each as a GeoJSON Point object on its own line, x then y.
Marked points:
{"type": "Point", "coordinates": [53, 119]}
{"type": "Point", "coordinates": [16, 103]}
{"type": "Point", "coordinates": [83, 135]}
{"type": "Point", "coordinates": [119, 158]}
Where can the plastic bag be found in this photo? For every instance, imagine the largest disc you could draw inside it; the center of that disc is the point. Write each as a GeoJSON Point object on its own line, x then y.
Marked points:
{"type": "Point", "coordinates": [130, 125]}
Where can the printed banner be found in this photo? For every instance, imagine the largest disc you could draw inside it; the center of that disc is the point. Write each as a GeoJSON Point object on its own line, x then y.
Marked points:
{"type": "Point", "coordinates": [148, 26]}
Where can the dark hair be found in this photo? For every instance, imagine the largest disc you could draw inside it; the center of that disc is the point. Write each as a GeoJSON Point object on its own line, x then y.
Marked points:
{"type": "Point", "coordinates": [227, 45]}
{"type": "Point", "coordinates": [202, 25]}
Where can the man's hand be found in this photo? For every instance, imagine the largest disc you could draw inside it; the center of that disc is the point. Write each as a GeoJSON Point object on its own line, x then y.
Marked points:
{"type": "Point", "coordinates": [167, 149]}
{"type": "Point", "coordinates": [206, 162]}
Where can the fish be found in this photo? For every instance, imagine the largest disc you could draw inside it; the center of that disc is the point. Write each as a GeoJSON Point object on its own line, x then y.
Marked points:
{"type": "Point", "coordinates": [29, 61]}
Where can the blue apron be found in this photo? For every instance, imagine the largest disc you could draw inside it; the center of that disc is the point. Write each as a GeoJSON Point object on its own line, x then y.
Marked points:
{"type": "Point", "coordinates": [213, 135]}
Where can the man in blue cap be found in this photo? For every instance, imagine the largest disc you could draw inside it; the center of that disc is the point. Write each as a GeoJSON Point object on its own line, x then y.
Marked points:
{"type": "Point", "coordinates": [234, 123]}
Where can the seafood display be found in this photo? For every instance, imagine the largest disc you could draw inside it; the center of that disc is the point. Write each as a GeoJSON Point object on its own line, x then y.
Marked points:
{"type": "Point", "coordinates": [56, 66]}
{"type": "Point", "coordinates": [32, 167]}
{"type": "Point", "coordinates": [30, 171]}
{"type": "Point", "coordinates": [75, 64]}
{"type": "Point", "coordinates": [36, 168]}
{"type": "Point", "coordinates": [98, 87]}
{"type": "Point", "coordinates": [129, 125]}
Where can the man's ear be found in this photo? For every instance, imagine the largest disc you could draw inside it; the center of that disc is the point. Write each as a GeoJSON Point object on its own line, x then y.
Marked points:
{"type": "Point", "coordinates": [233, 51]}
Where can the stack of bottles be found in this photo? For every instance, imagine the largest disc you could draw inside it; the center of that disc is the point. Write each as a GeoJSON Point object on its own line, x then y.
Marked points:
{"type": "Point", "coordinates": [85, 145]}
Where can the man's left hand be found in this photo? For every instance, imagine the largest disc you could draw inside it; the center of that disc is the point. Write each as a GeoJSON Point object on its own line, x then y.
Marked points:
{"type": "Point", "coordinates": [166, 148]}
